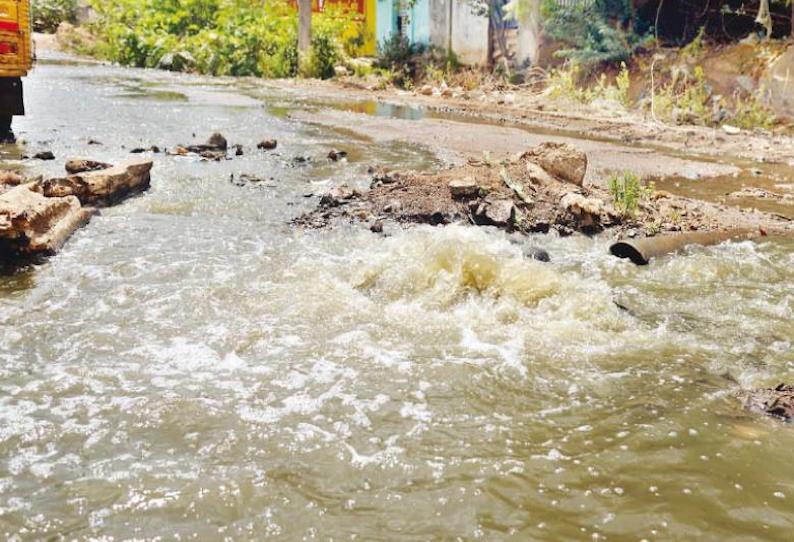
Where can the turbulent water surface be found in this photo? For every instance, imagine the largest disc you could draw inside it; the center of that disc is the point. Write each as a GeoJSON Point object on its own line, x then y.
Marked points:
{"type": "Point", "coordinates": [191, 367]}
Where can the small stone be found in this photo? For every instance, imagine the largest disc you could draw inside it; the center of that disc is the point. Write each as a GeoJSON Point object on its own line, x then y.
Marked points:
{"type": "Point", "coordinates": [217, 141]}
{"type": "Point", "coordinates": [537, 254]}
{"type": "Point", "coordinates": [464, 188]}
{"type": "Point", "coordinates": [140, 150]}
{"type": "Point", "coordinates": [267, 145]}
{"type": "Point", "coordinates": [426, 90]}
{"type": "Point", "coordinates": [393, 206]}
{"type": "Point", "coordinates": [377, 227]}
{"type": "Point", "coordinates": [238, 150]}
{"type": "Point", "coordinates": [731, 130]}
{"type": "Point", "coordinates": [336, 155]}
{"type": "Point", "coordinates": [44, 155]}
{"type": "Point", "coordinates": [338, 195]}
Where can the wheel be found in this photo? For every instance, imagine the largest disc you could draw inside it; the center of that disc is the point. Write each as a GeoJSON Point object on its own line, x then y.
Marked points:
{"type": "Point", "coordinates": [6, 134]}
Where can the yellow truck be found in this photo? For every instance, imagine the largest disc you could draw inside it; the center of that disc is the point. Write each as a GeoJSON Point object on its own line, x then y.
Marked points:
{"type": "Point", "coordinates": [16, 59]}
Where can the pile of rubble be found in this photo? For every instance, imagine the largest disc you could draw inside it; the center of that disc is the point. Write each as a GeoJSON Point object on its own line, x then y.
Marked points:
{"type": "Point", "coordinates": [540, 190]}
{"type": "Point", "coordinates": [37, 216]}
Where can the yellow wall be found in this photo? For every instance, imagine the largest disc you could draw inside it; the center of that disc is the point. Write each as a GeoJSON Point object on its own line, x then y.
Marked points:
{"type": "Point", "coordinates": [370, 28]}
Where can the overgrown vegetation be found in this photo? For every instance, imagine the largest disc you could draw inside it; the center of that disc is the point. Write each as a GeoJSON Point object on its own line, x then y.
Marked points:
{"type": "Point", "coordinates": [222, 37]}
{"type": "Point", "coordinates": [597, 32]}
{"type": "Point", "coordinates": [628, 191]}
{"type": "Point", "coordinates": [47, 15]}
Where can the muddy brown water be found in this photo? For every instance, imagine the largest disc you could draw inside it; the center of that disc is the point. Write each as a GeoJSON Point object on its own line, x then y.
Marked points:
{"type": "Point", "coordinates": [189, 367]}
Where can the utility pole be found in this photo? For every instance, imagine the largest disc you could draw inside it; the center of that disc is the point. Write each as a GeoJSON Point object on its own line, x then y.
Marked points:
{"type": "Point", "coordinates": [304, 32]}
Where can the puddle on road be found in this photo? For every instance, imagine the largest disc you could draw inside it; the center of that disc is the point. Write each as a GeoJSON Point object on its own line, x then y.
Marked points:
{"type": "Point", "coordinates": [775, 177]}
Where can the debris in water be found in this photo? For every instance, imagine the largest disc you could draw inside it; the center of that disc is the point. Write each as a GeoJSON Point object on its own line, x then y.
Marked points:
{"type": "Point", "coordinates": [776, 402]}
{"type": "Point", "coordinates": [336, 155]}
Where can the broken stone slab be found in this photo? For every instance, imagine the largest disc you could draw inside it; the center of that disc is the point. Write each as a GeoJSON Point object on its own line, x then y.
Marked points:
{"type": "Point", "coordinates": [501, 212]}
{"type": "Point", "coordinates": [10, 179]}
{"type": "Point", "coordinates": [83, 165]}
{"type": "Point", "coordinates": [587, 210]}
{"type": "Point", "coordinates": [562, 160]}
{"type": "Point", "coordinates": [104, 186]}
{"type": "Point", "coordinates": [777, 402]}
{"type": "Point", "coordinates": [580, 205]}
{"type": "Point", "coordinates": [32, 224]}
{"type": "Point", "coordinates": [464, 188]}
{"type": "Point", "coordinates": [338, 195]}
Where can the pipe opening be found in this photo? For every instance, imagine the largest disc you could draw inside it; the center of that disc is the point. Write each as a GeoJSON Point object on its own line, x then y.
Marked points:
{"type": "Point", "coordinates": [623, 249]}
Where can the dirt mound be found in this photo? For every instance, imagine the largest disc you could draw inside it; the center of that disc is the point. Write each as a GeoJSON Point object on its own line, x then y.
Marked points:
{"type": "Point", "coordinates": [538, 191]}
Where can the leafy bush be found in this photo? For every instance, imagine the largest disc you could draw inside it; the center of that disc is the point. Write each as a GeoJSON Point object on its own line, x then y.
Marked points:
{"type": "Point", "coordinates": [398, 55]}
{"type": "Point", "coordinates": [47, 15]}
{"type": "Point", "coordinates": [224, 37]}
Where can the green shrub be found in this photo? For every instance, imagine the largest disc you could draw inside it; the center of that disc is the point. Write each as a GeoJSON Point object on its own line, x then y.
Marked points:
{"type": "Point", "coordinates": [47, 15]}
{"type": "Point", "coordinates": [628, 191]}
{"type": "Point", "coordinates": [224, 37]}
{"type": "Point", "coordinates": [398, 55]}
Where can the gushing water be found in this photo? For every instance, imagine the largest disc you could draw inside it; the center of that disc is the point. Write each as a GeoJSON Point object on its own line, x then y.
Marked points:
{"type": "Point", "coordinates": [190, 367]}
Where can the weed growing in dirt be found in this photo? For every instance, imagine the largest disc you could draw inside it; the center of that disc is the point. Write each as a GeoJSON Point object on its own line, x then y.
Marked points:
{"type": "Point", "coordinates": [564, 83]}
{"type": "Point", "coordinates": [628, 191]}
{"type": "Point", "coordinates": [752, 113]}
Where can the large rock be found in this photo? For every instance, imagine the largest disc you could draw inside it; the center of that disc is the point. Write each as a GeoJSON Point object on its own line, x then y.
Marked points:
{"type": "Point", "coordinates": [32, 224]}
{"type": "Point", "coordinates": [103, 186]}
{"type": "Point", "coordinates": [562, 160]}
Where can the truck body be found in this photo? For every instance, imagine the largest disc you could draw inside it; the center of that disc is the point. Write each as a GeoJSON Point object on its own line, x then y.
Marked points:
{"type": "Point", "coordinates": [16, 55]}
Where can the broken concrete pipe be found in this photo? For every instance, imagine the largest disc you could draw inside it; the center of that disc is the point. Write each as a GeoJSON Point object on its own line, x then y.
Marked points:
{"type": "Point", "coordinates": [641, 251]}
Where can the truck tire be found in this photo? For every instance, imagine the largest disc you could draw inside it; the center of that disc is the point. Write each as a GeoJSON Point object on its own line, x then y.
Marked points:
{"type": "Point", "coordinates": [11, 99]}
{"type": "Point", "coordinates": [6, 134]}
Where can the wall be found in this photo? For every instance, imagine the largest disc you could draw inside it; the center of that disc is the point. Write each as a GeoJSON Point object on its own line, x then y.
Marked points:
{"type": "Point", "coordinates": [419, 29]}
{"type": "Point", "coordinates": [386, 23]}
{"type": "Point", "coordinates": [469, 34]}
{"type": "Point", "coordinates": [469, 31]}
{"type": "Point", "coordinates": [420, 23]}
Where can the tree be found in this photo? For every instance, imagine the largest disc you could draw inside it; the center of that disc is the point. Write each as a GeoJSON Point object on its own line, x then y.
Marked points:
{"type": "Point", "coordinates": [304, 32]}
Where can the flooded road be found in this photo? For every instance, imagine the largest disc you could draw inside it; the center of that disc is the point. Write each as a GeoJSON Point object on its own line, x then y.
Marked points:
{"type": "Point", "coordinates": [190, 367]}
